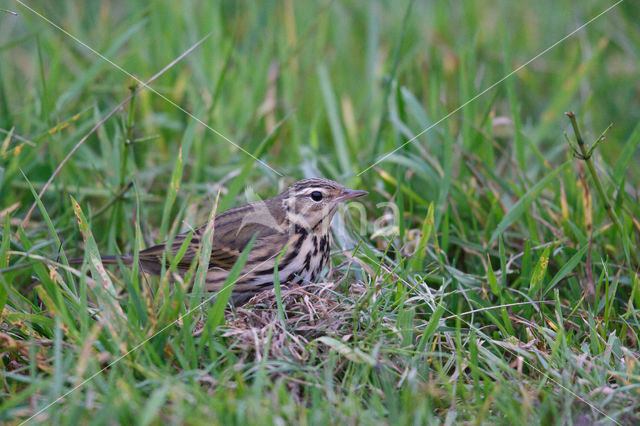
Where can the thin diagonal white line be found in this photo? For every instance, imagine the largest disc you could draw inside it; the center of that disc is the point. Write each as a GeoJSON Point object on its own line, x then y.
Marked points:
{"type": "Point", "coordinates": [216, 293]}
{"type": "Point", "coordinates": [454, 315]}
{"type": "Point", "coordinates": [103, 120]}
{"type": "Point", "coordinates": [493, 85]}
{"type": "Point", "coordinates": [77, 40]}
{"type": "Point", "coordinates": [143, 342]}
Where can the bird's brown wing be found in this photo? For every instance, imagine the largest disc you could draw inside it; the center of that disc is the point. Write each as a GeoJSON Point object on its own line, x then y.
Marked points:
{"type": "Point", "coordinates": [233, 230]}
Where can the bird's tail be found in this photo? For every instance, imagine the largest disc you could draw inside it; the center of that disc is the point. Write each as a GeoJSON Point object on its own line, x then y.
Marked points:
{"type": "Point", "coordinates": [107, 260]}
{"type": "Point", "coordinates": [150, 266]}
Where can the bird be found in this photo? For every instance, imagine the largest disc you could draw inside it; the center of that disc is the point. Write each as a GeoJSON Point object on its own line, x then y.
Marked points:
{"type": "Point", "coordinates": [299, 218]}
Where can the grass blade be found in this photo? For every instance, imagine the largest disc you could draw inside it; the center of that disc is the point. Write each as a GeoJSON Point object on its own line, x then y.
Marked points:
{"type": "Point", "coordinates": [216, 313]}
{"type": "Point", "coordinates": [522, 204]}
{"type": "Point", "coordinates": [331, 105]}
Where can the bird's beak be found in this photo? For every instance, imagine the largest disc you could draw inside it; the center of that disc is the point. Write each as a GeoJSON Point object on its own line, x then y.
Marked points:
{"type": "Point", "coordinates": [348, 194]}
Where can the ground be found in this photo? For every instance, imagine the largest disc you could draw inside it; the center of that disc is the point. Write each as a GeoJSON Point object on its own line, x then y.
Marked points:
{"type": "Point", "coordinates": [490, 276]}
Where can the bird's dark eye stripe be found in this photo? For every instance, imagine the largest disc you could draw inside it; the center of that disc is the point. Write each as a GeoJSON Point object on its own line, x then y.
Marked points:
{"type": "Point", "coordinates": [316, 195]}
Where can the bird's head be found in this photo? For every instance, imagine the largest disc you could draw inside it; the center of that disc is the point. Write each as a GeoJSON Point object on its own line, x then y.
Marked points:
{"type": "Point", "coordinates": [312, 202]}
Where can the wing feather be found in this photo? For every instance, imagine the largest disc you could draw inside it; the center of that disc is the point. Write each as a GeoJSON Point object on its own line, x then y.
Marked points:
{"type": "Point", "coordinates": [233, 231]}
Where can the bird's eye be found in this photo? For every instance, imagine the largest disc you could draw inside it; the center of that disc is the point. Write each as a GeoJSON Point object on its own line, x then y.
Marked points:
{"type": "Point", "coordinates": [316, 195]}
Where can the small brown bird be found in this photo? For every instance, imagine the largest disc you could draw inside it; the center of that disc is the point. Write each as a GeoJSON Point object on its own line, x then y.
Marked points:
{"type": "Point", "coordinates": [299, 217]}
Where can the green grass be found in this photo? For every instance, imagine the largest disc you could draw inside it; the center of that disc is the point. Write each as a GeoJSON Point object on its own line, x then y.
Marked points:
{"type": "Point", "coordinates": [504, 293]}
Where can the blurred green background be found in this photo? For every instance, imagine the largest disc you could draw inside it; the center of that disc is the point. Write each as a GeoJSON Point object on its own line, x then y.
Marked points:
{"type": "Point", "coordinates": [328, 88]}
{"type": "Point", "coordinates": [306, 63]}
